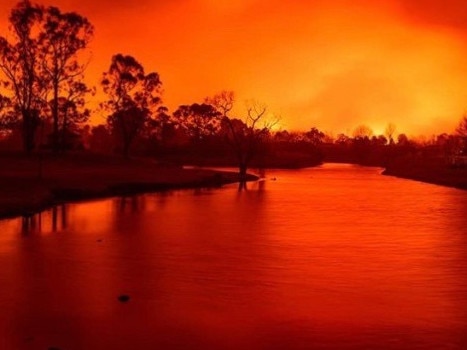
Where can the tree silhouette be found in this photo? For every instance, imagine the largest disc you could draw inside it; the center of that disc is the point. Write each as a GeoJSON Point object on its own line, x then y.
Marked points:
{"type": "Point", "coordinates": [461, 129]}
{"type": "Point", "coordinates": [100, 139]}
{"type": "Point", "coordinates": [198, 120]}
{"type": "Point", "coordinates": [314, 136]}
{"type": "Point", "coordinates": [247, 135]}
{"type": "Point", "coordinates": [379, 141]}
{"type": "Point", "coordinates": [362, 131]}
{"type": "Point", "coordinates": [71, 111]}
{"type": "Point", "coordinates": [41, 58]}
{"type": "Point", "coordinates": [343, 140]}
{"type": "Point", "coordinates": [62, 37]}
{"type": "Point", "coordinates": [403, 140]}
{"type": "Point", "coordinates": [20, 65]}
{"type": "Point", "coordinates": [161, 128]}
{"type": "Point", "coordinates": [133, 96]}
{"type": "Point", "coordinates": [7, 117]}
{"type": "Point", "coordinates": [389, 132]}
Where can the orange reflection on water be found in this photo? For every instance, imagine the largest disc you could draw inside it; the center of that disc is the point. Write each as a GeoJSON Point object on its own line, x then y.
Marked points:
{"type": "Point", "coordinates": [332, 257]}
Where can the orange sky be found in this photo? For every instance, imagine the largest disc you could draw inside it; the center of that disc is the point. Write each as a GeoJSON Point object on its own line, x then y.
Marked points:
{"type": "Point", "coordinates": [333, 64]}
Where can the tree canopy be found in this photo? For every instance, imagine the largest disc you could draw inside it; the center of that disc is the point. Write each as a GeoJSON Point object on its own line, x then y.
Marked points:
{"type": "Point", "coordinates": [133, 97]}
{"type": "Point", "coordinates": [40, 65]}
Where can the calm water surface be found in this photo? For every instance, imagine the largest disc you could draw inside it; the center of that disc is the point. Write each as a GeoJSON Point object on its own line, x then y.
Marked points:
{"type": "Point", "coordinates": [336, 257]}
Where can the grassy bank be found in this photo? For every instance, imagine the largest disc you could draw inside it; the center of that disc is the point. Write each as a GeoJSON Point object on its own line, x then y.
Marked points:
{"type": "Point", "coordinates": [431, 170]}
{"type": "Point", "coordinates": [30, 184]}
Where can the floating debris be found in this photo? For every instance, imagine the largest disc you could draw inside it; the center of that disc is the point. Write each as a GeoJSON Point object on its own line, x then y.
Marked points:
{"type": "Point", "coordinates": [123, 298]}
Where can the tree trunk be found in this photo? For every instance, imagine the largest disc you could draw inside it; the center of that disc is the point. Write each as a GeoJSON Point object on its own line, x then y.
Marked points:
{"type": "Point", "coordinates": [126, 148]}
{"type": "Point", "coordinates": [63, 136]}
{"type": "Point", "coordinates": [56, 131]}
{"type": "Point", "coordinates": [28, 131]}
{"type": "Point", "coordinates": [242, 186]}
{"type": "Point", "coordinates": [242, 169]}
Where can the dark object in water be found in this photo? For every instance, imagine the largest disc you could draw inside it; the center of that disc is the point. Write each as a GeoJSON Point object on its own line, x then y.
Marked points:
{"type": "Point", "coordinates": [123, 298]}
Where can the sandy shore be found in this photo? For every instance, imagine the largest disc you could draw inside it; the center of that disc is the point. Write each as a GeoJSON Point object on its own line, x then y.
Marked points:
{"type": "Point", "coordinates": [28, 185]}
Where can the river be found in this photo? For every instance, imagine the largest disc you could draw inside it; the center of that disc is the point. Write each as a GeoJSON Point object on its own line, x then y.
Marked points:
{"type": "Point", "coordinates": [333, 257]}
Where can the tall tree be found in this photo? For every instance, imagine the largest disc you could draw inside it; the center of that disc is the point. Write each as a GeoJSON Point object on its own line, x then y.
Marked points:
{"type": "Point", "coordinates": [42, 58]}
{"type": "Point", "coordinates": [63, 36]}
{"type": "Point", "coordinates": [19, 63]}
{"type": "Point", "coordinates": [133, 96]}
{"type": "Point", "coordinates": [72, 111]}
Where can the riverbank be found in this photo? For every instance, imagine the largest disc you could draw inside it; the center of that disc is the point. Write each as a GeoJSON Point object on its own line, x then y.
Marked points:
{"type": "Point", "coordinates": [31, 184]}
{"type": "Point", "coordinates": [277, 160]}
{"type": "Point", "coordinates": [434, 171]}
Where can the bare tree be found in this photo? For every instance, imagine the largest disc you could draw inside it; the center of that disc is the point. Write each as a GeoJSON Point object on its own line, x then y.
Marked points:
{"type": "Point", "coordinates": [223, 102]}
{"type": "Point", "coordinates": [362, 131]}
{"type": "Point", "coordinates": [246, 135]}
{"type": "Point", "coordinates": [389, 132]}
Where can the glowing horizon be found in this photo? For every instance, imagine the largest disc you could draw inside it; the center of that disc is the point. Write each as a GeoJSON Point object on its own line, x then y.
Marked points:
{"type": "Point", "coordinates": [333, 65]}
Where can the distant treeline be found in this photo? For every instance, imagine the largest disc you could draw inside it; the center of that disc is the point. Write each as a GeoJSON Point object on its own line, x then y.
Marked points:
{"type": "Point", "coordinates": [44, 108]}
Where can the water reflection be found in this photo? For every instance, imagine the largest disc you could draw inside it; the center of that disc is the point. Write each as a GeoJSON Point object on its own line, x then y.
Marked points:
{"type": "Point", "coordinates": [52, 220]}
{"type": "Point", "coordinates": [132, 204]}
{"type": "Point", "coordinates": [336, 257]}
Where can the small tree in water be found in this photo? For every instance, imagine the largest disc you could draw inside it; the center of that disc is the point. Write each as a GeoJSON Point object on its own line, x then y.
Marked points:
{"type": "Point", "coordinates": [245, 135]}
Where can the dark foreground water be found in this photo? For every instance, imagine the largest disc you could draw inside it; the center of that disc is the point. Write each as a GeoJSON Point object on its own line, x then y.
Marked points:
{"type": "Point", "coordinates": [337, 257]}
